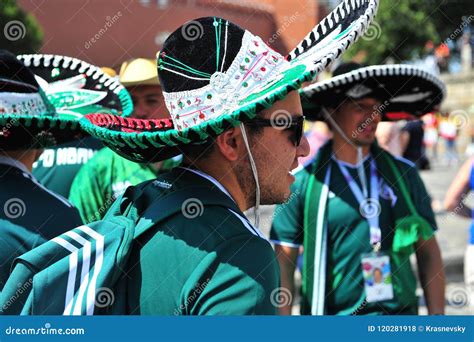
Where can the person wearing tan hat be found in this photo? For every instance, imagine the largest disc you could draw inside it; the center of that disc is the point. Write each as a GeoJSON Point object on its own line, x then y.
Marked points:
{"type": "Point", "coordinates": [107, 175]}
{"type": "Point", "coordinates": [140, 77]}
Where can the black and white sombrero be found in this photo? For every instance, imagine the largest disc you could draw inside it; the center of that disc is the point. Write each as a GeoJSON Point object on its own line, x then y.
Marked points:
{"type": "Point", "coordinates": [224, 76]}
{"type": "Point", "coordinates": [42, 98]}
{"type": "Point", "coordinates": [405, 88]}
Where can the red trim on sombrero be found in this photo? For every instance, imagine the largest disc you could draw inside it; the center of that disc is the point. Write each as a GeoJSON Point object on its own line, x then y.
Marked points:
{"type": "Point", "coordinates": [129, 124]}
{"type": "Point", "coordinates": [395, 116]}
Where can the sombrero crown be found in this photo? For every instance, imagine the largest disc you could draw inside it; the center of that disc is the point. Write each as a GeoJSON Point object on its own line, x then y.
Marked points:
{"type": "Point", "coordinates": [215, 75]}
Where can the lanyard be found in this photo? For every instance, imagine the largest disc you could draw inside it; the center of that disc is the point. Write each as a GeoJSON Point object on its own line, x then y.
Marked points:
{"type": "Point", "coordinates": [368, 207]}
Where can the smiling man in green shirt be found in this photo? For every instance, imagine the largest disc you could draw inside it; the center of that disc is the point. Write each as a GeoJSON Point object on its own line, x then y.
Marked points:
{"type": "Point", "coordinates": [358, 211]}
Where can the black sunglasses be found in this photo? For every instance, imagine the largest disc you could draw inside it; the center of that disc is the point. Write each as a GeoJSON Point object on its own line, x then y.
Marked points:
{"type": "Point", "coordinates": [295, 126]}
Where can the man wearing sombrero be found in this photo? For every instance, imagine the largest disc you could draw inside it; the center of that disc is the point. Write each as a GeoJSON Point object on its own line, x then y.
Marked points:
{"type": "Point", "coordinates": [107, 174]}
{"type": "Point", "coordinates": [42, 99]}
{"type": "Point", "coordinates": [194, 251]}
{"type": "Point", "coordinates": [30, 214]}
{"type": "Point", "coordinates": [238, 124]}
{"type": "Point", "coordinates": [356, 208]}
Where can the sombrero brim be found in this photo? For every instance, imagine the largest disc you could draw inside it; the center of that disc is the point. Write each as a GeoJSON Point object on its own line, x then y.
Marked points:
{"type": "Point", "coordinates": [28, 131]}
{"type": "Point", "coordinates": [96, 92]}
{"type": "Point", "coordinates": [325, 43]}
{"type": "Point", "coordinates": [405, 88]}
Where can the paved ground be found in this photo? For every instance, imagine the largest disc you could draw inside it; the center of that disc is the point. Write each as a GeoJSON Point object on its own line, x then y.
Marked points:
{"type": "Point", "coordinates": [452, 237]}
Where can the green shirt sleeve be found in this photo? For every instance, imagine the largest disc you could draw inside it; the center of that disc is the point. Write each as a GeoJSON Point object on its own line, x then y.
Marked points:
{"type": "Point", "coordinates": [287, 226]}
{"type": "Point", "coordinates": [240, 278]}
{"type": "Point", "coordinates": [87, 192]}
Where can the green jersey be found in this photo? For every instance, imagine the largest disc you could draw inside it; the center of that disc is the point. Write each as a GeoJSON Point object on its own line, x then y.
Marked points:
{"type": "Point", "coordinates": [105, 177]}
{"type": "Point", "coordinates": [36, 214]}
{"type": "Point", "coordinates": [348, 238]}
{"type": "Point", "coordinates": [57, 166]}
{"type": "Point", "coordinates": [206, 260]}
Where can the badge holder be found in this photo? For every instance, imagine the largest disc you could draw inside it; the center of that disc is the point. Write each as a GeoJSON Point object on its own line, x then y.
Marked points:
{"type": "Point", "coordinates": [377, 275]}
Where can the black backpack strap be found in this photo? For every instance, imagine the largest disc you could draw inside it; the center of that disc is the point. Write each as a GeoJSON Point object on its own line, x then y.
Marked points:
{"type": "Point", "coordinates": [172, 203]}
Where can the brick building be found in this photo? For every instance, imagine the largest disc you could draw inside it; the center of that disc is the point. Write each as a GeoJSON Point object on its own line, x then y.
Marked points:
{"type": "Point", "coordinates": [107, 32]}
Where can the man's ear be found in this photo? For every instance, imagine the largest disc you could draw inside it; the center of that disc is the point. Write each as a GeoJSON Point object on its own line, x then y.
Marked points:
{"type": "Point", "coordinates": [228, 143]}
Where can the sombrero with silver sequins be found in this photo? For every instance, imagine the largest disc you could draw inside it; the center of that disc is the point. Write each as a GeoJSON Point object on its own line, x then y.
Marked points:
{"type": "Point", "coordinates": [215, 75]}
{"type": "Point", "coordinates": [401, 88]}
{"type": "Point", "coordinates": [45, 110]}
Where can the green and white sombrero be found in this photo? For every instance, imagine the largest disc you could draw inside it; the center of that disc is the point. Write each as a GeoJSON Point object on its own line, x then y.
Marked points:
{"type": "Point", "coordinates": [400, 88]}
{"type": "Point", "coordinates": [66, 90]}
{"type": "Point", "coordinates": [216, 75]}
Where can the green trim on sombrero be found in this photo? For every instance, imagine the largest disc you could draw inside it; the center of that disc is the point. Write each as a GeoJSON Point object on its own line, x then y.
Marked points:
{"type": "Point", "coordinates": [228, 99]}
{"type": "Point", "coordinates": [173, 138]}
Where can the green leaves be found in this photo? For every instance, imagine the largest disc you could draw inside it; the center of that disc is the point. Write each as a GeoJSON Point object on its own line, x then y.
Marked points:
{"type": "Point", "coordinates": [400, 31]}
{"type": "Point", "coordinates": [19, 31]}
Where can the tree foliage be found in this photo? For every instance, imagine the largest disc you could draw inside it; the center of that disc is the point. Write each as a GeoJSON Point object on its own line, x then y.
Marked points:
{"type": "Point", "coordinates": [402, 27]}
{"type": "Point", "coordinates": [20, 31]}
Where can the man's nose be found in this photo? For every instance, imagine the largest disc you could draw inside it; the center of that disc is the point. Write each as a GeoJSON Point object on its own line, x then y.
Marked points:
{"type": "Point", "coordinates": [303, 148]}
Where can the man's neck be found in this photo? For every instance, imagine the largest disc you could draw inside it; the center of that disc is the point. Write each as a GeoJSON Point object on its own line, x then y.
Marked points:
{"type": "Point", "coordinates": [27, 158]}
{"type": "Point", "coordinates": [346, 152]}
{"type": "Point", "coordinates": [227, 180]}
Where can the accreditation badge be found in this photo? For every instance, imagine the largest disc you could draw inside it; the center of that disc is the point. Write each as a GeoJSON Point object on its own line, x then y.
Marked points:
{"type": "Point", "coordinates": [377, 277]}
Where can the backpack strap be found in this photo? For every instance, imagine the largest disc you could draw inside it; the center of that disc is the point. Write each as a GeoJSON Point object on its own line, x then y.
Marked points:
{"type": "Point", "coordinates": [172, 203]}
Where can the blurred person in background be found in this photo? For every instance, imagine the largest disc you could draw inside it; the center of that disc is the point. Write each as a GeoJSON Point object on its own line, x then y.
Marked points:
{"type": "Point", "coordinates": [107, 175]}
{"type": "Point", "coordinates": [318, 133]}
{"type": "Point", "coordinates": [411, 141]}
{"type": "Point", "coordinates": [388, 137]}
{"type": "Point", "coordinates": [448, 131]}
{"type": "Point", "coordinates": [430, 137]}
{"type": "Point", "coordinates": [456, 201]}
